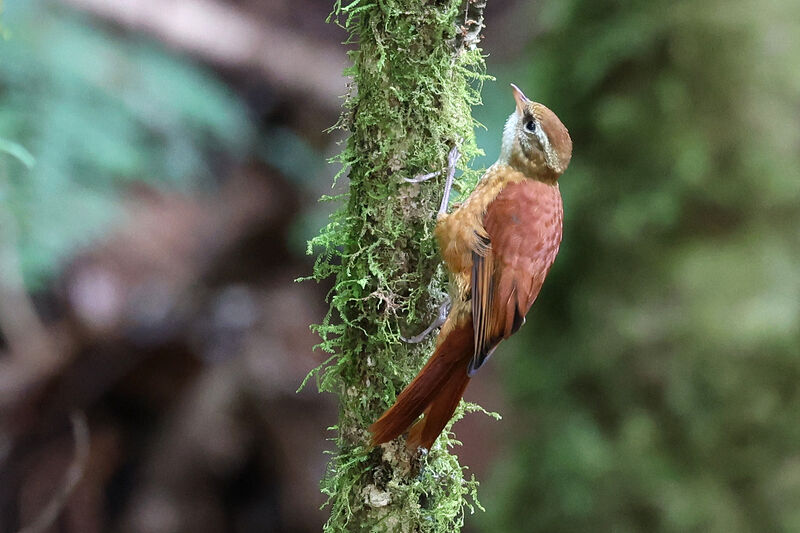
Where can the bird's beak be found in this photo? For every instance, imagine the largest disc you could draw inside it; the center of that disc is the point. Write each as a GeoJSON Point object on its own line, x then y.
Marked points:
{"type": "Point", "coordinates": [520, 98]}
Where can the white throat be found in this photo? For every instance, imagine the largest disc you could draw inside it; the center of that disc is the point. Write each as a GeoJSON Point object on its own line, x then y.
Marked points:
{"type": "Point", "coordinates": [509, 132]}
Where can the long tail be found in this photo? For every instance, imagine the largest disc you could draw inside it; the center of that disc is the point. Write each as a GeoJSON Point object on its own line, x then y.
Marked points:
{"type": "Point", "coordinates": [435, 391]}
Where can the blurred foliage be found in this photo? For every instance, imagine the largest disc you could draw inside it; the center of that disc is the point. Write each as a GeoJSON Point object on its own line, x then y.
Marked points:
{"type": "Point", "coordinates": [656, 385]}
{"type": "Point", "coordinates": [97, 111]}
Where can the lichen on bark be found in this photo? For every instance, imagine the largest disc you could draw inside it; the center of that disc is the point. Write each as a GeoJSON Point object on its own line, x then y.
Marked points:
{"type": "Point", "coordinates": [416, 73]}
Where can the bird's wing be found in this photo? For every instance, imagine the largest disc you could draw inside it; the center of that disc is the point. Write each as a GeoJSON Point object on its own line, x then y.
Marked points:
{"type": "Point", "coordinates": [523, 225]}
{"type": "Point", "coordinates": [482, 295]}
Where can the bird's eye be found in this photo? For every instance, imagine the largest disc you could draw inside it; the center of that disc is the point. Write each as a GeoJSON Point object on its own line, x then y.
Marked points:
{"type": "Point", "coordinates": [530, 126]}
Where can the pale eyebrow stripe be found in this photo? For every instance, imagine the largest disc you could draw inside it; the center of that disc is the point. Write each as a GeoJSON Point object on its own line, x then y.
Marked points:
{"type": "Point", "coordinates": [549, 154]}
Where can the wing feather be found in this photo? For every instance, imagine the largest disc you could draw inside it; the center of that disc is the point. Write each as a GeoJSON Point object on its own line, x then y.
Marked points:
{"type": "Point", "coordinates": [482, 299]}
{"type": "Point", "coordinates": [523, 233]}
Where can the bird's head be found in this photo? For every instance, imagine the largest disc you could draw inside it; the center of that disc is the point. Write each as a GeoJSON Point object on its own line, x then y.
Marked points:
{"type": "Point", "coordinates": [535, 141]}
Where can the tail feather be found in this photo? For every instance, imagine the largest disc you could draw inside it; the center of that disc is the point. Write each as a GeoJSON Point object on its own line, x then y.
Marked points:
{"type": "Point", "coordinates": [436, 390]}
{"type": "Point", "coordinates": [424, 432]}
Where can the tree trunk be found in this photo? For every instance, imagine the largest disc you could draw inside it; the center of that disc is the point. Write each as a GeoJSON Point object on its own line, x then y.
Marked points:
{"type": "Point", "coordinates": [417, 72]}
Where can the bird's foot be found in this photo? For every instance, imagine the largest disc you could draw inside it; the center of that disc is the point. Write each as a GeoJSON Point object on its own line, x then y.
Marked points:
{"type": "Point", "coordinates": [452, 160]}
{"type": "Point", "coordinates": [440, 319]}
{"type": "Point", "coordinates": [422, 177]}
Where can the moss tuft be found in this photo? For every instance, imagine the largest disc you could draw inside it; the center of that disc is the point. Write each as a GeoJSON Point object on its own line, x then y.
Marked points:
{"type": "Point", "coordinates": [416, 82]}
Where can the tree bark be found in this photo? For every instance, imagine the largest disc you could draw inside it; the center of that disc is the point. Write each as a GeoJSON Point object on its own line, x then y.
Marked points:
{"type": "Point", "coordinates": [417, 71]}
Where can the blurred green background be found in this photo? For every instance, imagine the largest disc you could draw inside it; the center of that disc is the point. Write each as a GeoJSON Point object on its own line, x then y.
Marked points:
{"type": "Point", "coordinates": [159, 170]}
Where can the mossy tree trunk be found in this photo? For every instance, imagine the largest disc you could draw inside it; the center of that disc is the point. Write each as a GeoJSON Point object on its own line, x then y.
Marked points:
{"type": "Point", "coordinates": [416, 72]}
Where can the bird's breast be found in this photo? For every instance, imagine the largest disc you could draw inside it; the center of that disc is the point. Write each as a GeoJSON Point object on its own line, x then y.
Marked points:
{"type": "Point", "coordinates": [459, 232]}
{"type": "Point", "coordinates": [525, 225]}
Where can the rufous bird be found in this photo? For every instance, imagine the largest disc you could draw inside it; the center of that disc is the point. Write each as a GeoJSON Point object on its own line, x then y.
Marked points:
{"type": "Point", "coordinates": [498, 247]}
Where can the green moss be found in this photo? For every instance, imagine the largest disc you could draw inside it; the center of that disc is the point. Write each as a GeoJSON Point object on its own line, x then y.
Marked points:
{"type": "Point", "coordinates": [416, 85]}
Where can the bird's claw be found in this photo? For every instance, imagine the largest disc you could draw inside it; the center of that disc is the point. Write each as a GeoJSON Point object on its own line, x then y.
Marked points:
{"type": "Point", "coordinates": [444, 309]}
{"type": "Point", "coordinates": [422, 177]}
{"type": "Point", "coordinates": [452, 160]}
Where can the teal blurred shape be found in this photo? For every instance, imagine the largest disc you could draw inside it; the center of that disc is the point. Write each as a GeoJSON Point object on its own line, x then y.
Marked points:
{"type": "Point", "coordinates": [18, 152]}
